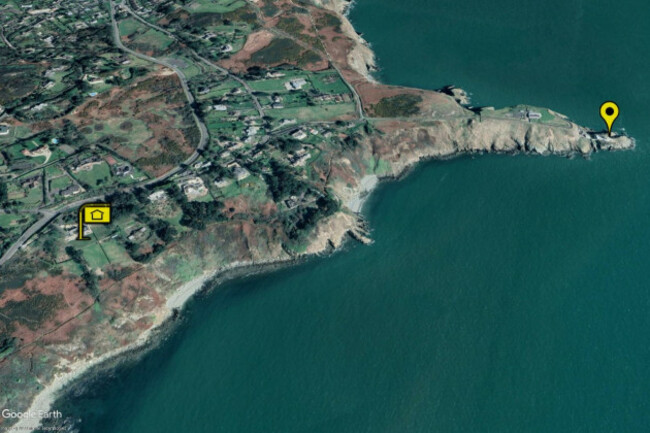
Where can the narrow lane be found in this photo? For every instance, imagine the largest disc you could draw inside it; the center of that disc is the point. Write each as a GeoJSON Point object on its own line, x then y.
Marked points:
{"type": "Point", "coordinates": [50, 214]}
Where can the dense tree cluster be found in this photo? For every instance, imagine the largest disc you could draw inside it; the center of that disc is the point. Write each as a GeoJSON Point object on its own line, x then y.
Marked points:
{"type": "Point", "coordinates": [287, 144]}
{"type": "Point", "coordinates": [88, 276]}
{"type": "Point", "coordinates": [283, 183]}
{"type": "Point", "coordinates": [165, 231]}
{"type": "Point", "coordinates": [4, 195]}
{"type": "Point", "coordinates": [197, 214]}
{"type": "Point", "coordinates": [299, 223]}
{"type": "Point", "coordinates": [122, 203]}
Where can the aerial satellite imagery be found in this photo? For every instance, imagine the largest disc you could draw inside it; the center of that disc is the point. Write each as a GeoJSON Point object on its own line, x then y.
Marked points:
{"type": "Point", "coordinates": [335, 216]}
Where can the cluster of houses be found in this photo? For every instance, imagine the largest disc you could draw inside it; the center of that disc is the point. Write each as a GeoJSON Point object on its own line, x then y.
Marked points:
{"type": "Point", "coordinates": [86, 164]}
{"type": "Point", "coordinates": [73, 189]}
{"type": "Point", "coordinates": [295, 84]}
{"type": "Point", "coordinates": [193, 187]}
{"type": "Point", "coordinates": [239, 172]}
{"type": "Point", "coordinates": [332, 98]}
{"type": "Point", "coordinates": [276, 102]}
{"type": "Point", "coordinates": [137, 234]}
{"type": "Point", "coordinates": [299, 158]}
{"type": "Point", "coordinates": [295, 200]}
{"type": "Point", "coordinates": [527, 115]}
{"type": "Point", "coordinates": [92, 79]}
{"type": "Point", "coordinates": [72, 231]}
{"type": "Point", "coordinates": [42, 21]}
{"type": "Point", "coordinates": [122, 170]}
{"type": "Point", "coordinates": [31, 182]}
{"type": "Point", "coordinates": [157, 196]}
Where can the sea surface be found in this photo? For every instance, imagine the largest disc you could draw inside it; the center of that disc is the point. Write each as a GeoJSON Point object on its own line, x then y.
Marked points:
{"type": "Point", "coordinates": [502, 294]}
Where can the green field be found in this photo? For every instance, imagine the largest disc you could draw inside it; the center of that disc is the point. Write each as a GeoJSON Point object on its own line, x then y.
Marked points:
{"type": "Point", "coordinates": [115, 252]}
{"type": "Point", "coordinates": [33, 196]}
{"type": "Point", "coordinates": [270, 86]}
{"type": "Point", "coordinates": [219, 6]}
{"type": "Point", "coordinates": [217, 124]}
{"type": "Point", "coordinates": [8, 220]}
{"type": "Point", "coordinates": [129, 26]}
{"type": "Point", "coordinates": [99, 174]}
{"type": "Point", "coordinates": [329, 82]}
{"type": "Point", "coordinates": [276, 85]}
{"type": "Point", "coordinates": [136, 133]}
{"type": "Point", "coordinates": [94, 255]}
{"type": "Point", "coordinates": [220, 89]}
{"type": "Point", "coordinates": [14, 152]}
{"type": "Point", "coordinates": [59, 82]}
{"type": "Point", "coordinates": [15, 132]}
{"type": "Point", "coordinates": [252, 187]}
{"type": "Point", "coordinates": [309, 114]}
{"type": "Point", "coordinates": [153, 40]}
{"type": "Point", "coordinates": [53, 170]}
{"type": "Point", "coordinates": [60, 183]}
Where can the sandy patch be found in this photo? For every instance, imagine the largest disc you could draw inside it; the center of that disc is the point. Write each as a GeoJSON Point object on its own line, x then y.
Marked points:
{"type": "Point", "coordinates": [366, 185]}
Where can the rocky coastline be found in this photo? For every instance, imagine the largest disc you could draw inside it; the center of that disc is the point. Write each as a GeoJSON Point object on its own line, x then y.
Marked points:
{"type": "Point", "coordinates": [403, 145]}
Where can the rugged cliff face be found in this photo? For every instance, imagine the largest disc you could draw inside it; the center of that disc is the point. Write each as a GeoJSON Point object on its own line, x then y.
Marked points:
{"type": "Point", "coordinates": [403, 126]}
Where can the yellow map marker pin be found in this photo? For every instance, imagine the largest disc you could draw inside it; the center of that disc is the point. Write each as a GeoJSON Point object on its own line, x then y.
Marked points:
{"type": "Point", "coordinates": [93, 213]}
{"type": "Point", "coordinates": [609, 113]}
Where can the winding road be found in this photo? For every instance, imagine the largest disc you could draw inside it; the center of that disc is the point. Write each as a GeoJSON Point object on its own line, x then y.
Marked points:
{"type": "Point", "coordinates": [5, 40]}
{"type": "Point", "coordinates": [323, 52]}
{"type": "Point", "coordinates": [186, 89]}
{"type": "Point", "coordinates": [50, 214]}
{"type": "Point", "coordinates": [207, 62]}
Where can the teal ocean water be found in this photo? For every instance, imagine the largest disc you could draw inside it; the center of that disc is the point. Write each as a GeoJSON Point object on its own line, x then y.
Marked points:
{"type": "Point", "coordinates": [502, 294]}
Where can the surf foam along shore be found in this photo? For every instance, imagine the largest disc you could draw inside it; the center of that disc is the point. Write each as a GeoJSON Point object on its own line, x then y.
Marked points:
{"type": "Point", "coordinates": [331, 232]}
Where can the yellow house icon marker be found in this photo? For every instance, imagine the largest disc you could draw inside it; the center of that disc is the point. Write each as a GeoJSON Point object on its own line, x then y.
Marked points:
{"type": "Point", "coordinates": [93, 213]}
{"type": "Point", "coordinates": [96, 215]}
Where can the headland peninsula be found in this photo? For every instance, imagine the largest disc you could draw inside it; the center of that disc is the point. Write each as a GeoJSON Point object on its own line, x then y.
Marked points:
{"type": "Point", "coordinates": [227, 136]}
